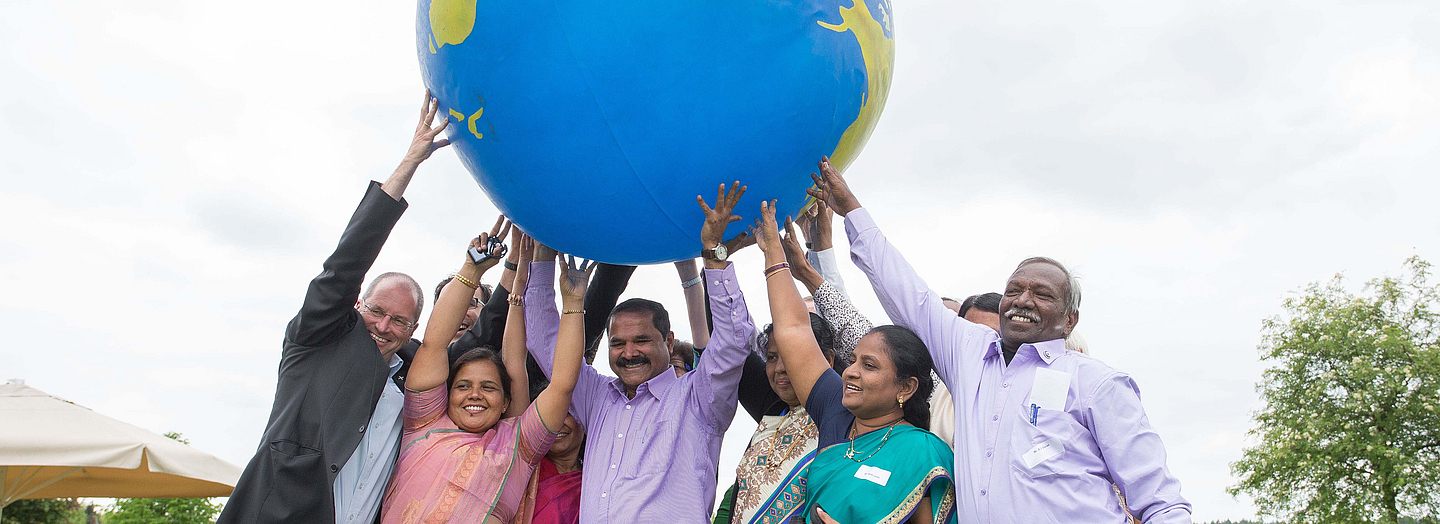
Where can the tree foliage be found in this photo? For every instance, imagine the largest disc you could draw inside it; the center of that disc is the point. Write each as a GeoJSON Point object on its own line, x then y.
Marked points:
{"type": "Point", "coordinates": [42, 511]}
{"type": "Point", "coordinates": [1349, 431]}
{"type": "Point", "coordinates": [163, 511]}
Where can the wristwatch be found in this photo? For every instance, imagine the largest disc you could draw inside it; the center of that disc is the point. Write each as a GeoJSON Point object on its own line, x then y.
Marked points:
{"type": "Point", "coordinates": [719, 254]}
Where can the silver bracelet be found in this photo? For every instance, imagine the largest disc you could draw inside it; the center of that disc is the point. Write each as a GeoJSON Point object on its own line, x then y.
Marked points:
{"type": "Point", "coordinates": [689, 283]}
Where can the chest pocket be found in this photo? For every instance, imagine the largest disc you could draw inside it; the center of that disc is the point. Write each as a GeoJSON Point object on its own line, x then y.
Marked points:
{"type": "Point", "coordinates": [655, 440]}
{"type": "Point", "coordinates": [1049, 438]}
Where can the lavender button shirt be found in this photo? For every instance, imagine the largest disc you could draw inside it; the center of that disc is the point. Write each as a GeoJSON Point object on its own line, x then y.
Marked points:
{"type": "Point", "coordinates": [1008, 469]}
{"type": "Point", "coordinates": [653, 458]}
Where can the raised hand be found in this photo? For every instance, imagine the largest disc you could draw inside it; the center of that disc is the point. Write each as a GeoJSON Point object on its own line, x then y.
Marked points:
{"type": "Point", "coordinates": [821, 237]}
{"type": "Point", "coordinates": [424, 142]}
{"type": "Point", "coordinates": [800, 267]}
{"type": "Point", "coordinates": [718, 218]}
{"type": "Point", "coordinates": [524, 252]}
{"type": "Point", "coordinates": [421, 146]}
{"type": "Point", "coordinates": [491, 245]}
{"type": "Point", "coordinates": [575, 279]}
{"type": "Point", "coordinates": [766, 231]}
{"type": "Point", "coordinates": [831, 188]}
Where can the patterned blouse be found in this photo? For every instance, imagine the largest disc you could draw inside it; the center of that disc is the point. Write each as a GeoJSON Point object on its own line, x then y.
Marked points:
{"type": "Point", "coordinates": [446, 474]}
{"type": "Point", "coordinates": [770, 481]}
{"type": "Point", "coordinates": [849, 325]}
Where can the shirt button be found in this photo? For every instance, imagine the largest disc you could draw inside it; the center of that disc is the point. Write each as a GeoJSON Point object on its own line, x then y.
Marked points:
{"type": "Point", "coordinates": [994, 417]}
{"type": "Point", "coordinates": [362, 428]}
{"type": "Point", "coordinates": [989, 453]}
{"type": "Point", "coordinates": [1005, 385]}
{"type": "Point", "coordinates": [603, 495]}
{"type": "Point", "coordinates": [627, 406]}
{"type": "Point", "coordinates": [612, 466]}
{"type": "Point", "coordinates": [982, 492]}
{"type": "Point", "coordinates": [619, 435]}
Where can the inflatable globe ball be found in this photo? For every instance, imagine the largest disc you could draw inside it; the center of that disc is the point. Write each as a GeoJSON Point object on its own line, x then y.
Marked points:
{"type": "Point", "coordinates": [593, 124]}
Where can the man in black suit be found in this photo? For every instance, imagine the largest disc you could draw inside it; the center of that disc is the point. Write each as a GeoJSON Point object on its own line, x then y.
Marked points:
{"type": "Point", "coordinates": [330, 446]}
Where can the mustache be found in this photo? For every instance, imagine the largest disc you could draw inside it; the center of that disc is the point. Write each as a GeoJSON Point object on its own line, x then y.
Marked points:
{"type": "Point", "coordinates": [1022, 312]}
{"type": "Point", "coordinates": [622, 362]}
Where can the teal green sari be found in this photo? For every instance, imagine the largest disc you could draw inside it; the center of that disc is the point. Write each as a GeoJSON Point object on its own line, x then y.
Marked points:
{"type": "Point", "coordinates": [886, 487]}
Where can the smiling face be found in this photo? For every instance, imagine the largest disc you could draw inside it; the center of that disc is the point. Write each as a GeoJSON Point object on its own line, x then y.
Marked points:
{"type": "Point", "coordinates": [477, 397]}
{"type": "Point", "coordinates": [571, 436]}
{"type": "Point", "coordinates": [871, 387]}
{"type": "Point", "coordinates": [779, 379]}
{"type": "Point", "coordinates": [390, 306]}
{"type": "Point", "coordinates": [1033, 307]}
{"type": "Point", "coordinates": [638, 351]}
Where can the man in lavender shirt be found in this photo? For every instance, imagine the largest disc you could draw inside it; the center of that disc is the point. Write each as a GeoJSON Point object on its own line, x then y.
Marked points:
{"type": "Point", "coordinates": [1040, 432]}
{"type": "Point", "coordinates": [653, 438]}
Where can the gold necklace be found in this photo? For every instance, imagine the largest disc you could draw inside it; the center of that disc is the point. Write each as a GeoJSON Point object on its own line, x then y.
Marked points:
{"type": "Point", "coordinates": [851, 453]}
{"type": "Point", "coordinates": [779, 433]}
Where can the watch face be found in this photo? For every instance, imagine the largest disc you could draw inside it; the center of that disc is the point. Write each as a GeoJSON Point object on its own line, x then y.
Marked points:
{"type": "Point", "coordinates": [720, 252]}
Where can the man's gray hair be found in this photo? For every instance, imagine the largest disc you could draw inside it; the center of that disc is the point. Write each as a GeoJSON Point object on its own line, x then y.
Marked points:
{"type": "Point", "coordinates": [1072, 286]}
{"type": "Point", "coordinates": [404, 279]}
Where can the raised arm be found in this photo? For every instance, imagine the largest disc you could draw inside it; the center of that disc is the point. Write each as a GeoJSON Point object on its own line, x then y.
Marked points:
{"type": "Point", "coordinates": [432, 365]}
{"type": "Point", "coordinates": [329, 301]}
{"type": "Point", "coordinates": [906, 298]}
{"type": "Point", "coordinates": [513, 343]}
{"type": "Point", "coordinates": [691, 284]}
{"type": "Point", "coordinates": [717, 371]}
{"type": "Point", "coordinates": [830, 301]}
{"type": "Point", "coordinates": [820, 245]}
{"type": "Point", "coordinates": [421, 146]}
{"type": "Point", "coordinates": [554, 402]}
{"type": "Point", "coordinates": [804, 361]}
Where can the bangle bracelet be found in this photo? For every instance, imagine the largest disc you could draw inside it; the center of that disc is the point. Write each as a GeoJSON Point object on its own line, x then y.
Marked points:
{"type": "Point", "coordinates": [466, 281]}
{"type": "Point", "coordinates": [516, 300]}
{"type": "Point", "coordinates": [775, 272]}
{"type": "Point", "coordinates": [569, 311]}
{"type": "Point", "coordinates": [691, 283]}
{"type": "Point", "coordinates": [511, 266]}
{"type": "Point", "coordinates": [776, 269]}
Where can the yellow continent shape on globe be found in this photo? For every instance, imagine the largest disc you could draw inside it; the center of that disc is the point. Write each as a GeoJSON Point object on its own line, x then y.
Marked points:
{"type": "Point", "coordinates": [878, 52]}
{"type": "Point", "coordinates": [450, 22]}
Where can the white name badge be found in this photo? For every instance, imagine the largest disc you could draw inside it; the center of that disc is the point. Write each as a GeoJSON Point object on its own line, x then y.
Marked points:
{"type": "Point", "coordinates": [1042, 452]}
{"type": "Point", "coordinates": [873, 474]}
{"type": "Point", "coordinates": [1050, 389]}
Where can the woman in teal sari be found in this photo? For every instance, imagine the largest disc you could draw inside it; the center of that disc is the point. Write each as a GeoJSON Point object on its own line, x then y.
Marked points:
{"type": "Point", "coordinates": [876, 463]}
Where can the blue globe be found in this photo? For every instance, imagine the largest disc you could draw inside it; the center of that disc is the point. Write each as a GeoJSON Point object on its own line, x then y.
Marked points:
{"type": "Point", "coordinates": [594, 124]}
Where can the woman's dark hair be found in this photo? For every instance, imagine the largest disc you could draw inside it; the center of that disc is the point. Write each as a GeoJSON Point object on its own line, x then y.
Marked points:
{"type": "Point", "coordinates": [911, 359]}
{"type": "Point", "coordinates": [478, 354]}
{"type": "Point", "coordinates": [824, 336]}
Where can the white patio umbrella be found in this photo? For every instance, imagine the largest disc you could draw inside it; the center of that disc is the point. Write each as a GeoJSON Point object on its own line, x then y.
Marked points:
{"type": "Point", "coordinates": [52, 448]}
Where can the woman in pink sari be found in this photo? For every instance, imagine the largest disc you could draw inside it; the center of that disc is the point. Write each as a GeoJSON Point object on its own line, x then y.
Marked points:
{"type": "Point", "coordinates": [557, 499]}
{"type": "Point", "coordinates": [469, 450]}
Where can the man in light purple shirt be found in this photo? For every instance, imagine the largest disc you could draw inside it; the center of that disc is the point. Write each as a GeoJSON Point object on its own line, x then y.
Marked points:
{"type": "Point", "coordinates": [1040, 432]}
{"type": "Point", "coordinates": [652, 452]}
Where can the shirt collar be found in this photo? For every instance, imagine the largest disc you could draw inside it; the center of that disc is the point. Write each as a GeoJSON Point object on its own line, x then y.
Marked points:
{"type": "Point", "coordinates": [1048, 350]}
{"type": "Point", "coordinates": [395, 363]}
{"type": "Point", "coordinates": [656, 386]}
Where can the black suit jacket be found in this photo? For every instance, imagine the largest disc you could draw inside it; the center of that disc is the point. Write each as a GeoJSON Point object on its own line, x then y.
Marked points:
{"type": "Point", "coordinates": [331, 377]}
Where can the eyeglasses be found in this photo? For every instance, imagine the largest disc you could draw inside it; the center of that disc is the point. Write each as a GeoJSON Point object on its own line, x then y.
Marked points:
{"type": "Point", "coordinates": [377, 313]}
{"type": "Point", "coordinates": [474, 303]}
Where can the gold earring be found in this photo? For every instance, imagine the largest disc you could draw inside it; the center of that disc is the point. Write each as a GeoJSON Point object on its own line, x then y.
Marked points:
{"type": "Point", "coordinates": [901, 400]}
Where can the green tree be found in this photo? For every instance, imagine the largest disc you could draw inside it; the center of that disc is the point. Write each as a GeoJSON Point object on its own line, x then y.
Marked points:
{"type": "Point", "coordinates": [1349, 431]}
{"type": "Point", "coordinates": [163, 511]}
{"type": "Point", "coordinates": [42, 511]}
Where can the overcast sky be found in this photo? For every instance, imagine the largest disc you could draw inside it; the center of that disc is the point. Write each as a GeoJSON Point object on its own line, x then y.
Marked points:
{"type": "Point", "coordinates": [175, 172]}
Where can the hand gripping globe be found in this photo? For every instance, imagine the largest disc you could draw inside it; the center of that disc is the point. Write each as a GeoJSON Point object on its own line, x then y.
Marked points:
{"type": "Point", "coordinates": [593, 124]}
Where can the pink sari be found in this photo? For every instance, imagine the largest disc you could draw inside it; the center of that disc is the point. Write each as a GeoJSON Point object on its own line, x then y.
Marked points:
{"type": "Point", "coordinates": [557, 500]}
{"type": "Point", "coordinates": [446, 474]}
